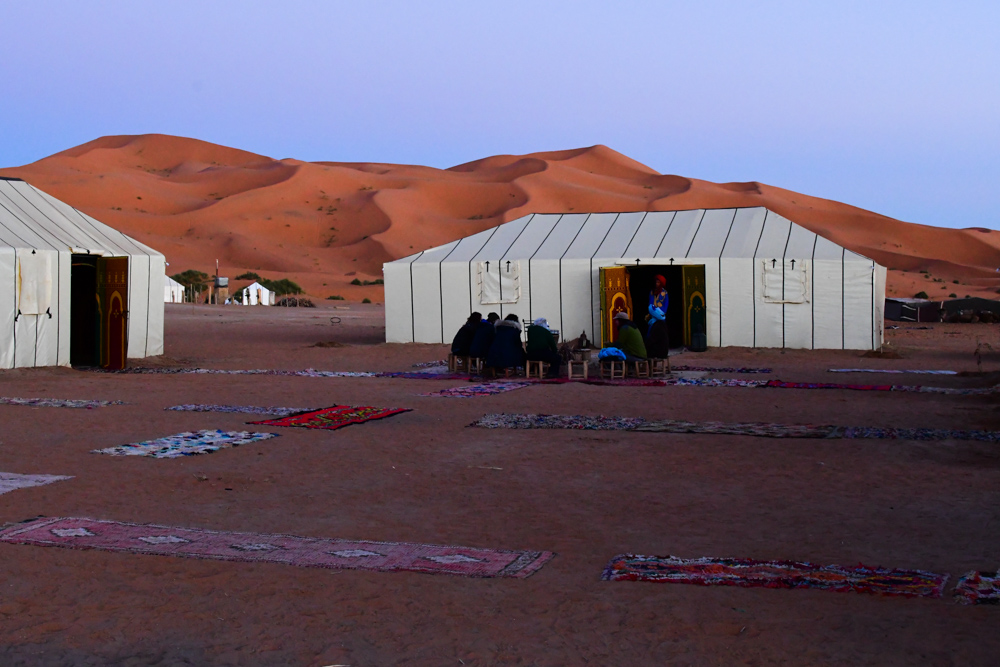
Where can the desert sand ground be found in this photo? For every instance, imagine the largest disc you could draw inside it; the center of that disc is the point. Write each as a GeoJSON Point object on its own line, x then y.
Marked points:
{"type": "Point", "coordinates": [424, 477]}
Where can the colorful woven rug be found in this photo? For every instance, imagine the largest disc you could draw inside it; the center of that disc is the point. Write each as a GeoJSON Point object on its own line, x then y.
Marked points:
{"type": "Point", "coordinates": [774, 574]}
{"type": "Point", "coordinates": [924, 434]}
{"type": "Point", "coordinates": [759, 429]}
{"type": "Point", "coordinates": [57, 402]}
{"type": "Point", "coordinates": [186, 444]}
{"type": "Point", "coordinates": [484, 389]}
{"type": "Point", "coordinates": [979, 588]}
{"type": "Point", "coordinates": [721, 369]}
{"type": "Point", "coordinates": [334, 417]}
{"type": "Point", "coordinates": [975, 391]}
{"type": "Point", "coordinates": [584, 422]}
{"type": "Point", "coordinates": [270, 548]}
{"type": "Point", "coordinates": [309, 372]}
{"type": "Point", "coordinates": [10, 481]}
{"type": "Point", "coordinates": [239, 409]}
{"type": "Point", "coordinates": [883, 370]}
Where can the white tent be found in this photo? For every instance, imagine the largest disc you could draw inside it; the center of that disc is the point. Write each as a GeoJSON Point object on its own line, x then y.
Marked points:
{"type": "Point", "coordinates": [45, 248]}
{"type": "Point", "coordinates": [740, 277]}
{"type": "Point", "coordinates": [173, 291]}
{"type": "Point", "coordinates": [256, 294]}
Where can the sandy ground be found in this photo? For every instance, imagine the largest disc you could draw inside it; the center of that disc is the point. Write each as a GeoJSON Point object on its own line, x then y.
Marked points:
{"type": "Point", "coordinates": [425, 477]}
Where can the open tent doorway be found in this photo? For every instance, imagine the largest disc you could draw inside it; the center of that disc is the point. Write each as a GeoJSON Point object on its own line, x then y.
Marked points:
{"type": "Point", "coordinates": [686, 310]}
{"type": "Point", "coordinates": [84, 336]}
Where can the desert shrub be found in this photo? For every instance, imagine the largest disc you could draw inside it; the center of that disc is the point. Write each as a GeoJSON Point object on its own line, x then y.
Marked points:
{"type": "Point", "coordinates": [283, 286]}
{"type": "Point", "coordinates": [921, 295]}
{"type": "Point", "coordinates": [334, 297]}
{"type": "Point", "coordinates": [366, 300]}
{"type": "Point", "coordinates": [952, 296]}
{"type": "Point", "coordinates": [356, 281]}
{"type": "Point", "coordinates": [295, 302]}
{"type": "Point", "coordinates": [249, 275]}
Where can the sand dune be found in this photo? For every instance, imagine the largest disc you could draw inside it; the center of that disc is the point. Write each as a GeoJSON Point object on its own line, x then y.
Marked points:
{"type": "Point", "coordinates": [323, 224]}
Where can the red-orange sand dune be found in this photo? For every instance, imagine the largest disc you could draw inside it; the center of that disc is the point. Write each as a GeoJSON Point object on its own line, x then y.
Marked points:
{"type": "Point", "coordinates": [323, 224]}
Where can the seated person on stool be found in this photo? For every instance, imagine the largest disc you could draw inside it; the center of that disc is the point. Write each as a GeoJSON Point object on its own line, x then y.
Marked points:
{"type": "Point", "coordinates": [483, 337]}
{"type": "Point", "coordinates": [462, 342]}
{"type": "Point", "coordinates": [506, 350]}
{"type": "Point", "coordinates": [629, 339]}
{"type": "Point", "coordinates": [542, 346]}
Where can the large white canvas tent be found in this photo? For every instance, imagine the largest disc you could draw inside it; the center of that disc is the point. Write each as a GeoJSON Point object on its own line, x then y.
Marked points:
{"type": "Point", "coordinates": [739, 277]}
{"type": "Point", "coordinates": [173, 291]}
{"type": "Point", "coordinates": [51, 256]}
{"type": "Point", "coordinates": [256, 294]}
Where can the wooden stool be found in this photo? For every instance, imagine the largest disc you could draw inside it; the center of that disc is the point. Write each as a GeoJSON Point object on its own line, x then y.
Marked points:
{"type": "Point", "coordinates": [659, 367]}
{"type": "Point", "coordinates": [612, 369]}
{"type": "Point", "coordinates": [641, 368]}
{"type": "Point", "coordinates": [537, 367]}
{"type": "Point", "coordinates": [475, 365]}
{"type": "Point", "coordinates": [578, 375]}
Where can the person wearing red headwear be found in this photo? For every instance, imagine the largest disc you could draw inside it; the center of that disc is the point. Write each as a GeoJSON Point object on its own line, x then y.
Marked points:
{"type": "Point", "coordinates": [657, 340]}
{"type": "Point", "coordinates": [658, 298]}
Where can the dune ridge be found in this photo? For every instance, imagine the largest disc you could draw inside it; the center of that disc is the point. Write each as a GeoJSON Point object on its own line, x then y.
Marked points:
{"type": "Point", "coordinates": [322, 224]}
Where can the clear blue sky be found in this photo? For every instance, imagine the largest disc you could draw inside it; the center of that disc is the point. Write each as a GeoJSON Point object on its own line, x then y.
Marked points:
{"type": "Point", "coordinates": [892, 105]}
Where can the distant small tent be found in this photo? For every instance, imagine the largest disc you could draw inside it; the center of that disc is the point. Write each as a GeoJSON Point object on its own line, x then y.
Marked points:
{"type": "Point", "coordinates": [256, 294]}
{"type": "Point", "coordinates": [173, 291]}
{"type": "Point", "coordinates": [74, 289]}
{"type": "Point", "coordinates": [736, 277]}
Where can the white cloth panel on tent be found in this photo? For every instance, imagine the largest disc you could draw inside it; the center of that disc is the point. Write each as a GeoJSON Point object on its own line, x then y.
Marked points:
{"type": "Point", "coordinates": [712, 306]}
{"type": "Point", "coordinates": [426, 302]}
{"type": "Point", "coordinates": [499, 282]}
{"type": "Point", "coordinates": [594, 230]}
{"type": "Point", "coordinates": [25, 327]}
{"type": "Point", "coordinates": [47, 320]}
{"type": "Point", "coordinates": [154, 329]}
{"type": "Point", "coordinates": [680, 235]}
{"type": "Point", "coordinates": [138, 305]}
{"type": "Point", "coordinates": [36, 271]}
{"type": "Point", "coordinates": [528, 242]}
{"type": "Point", "coordinates": [858, 295]}
{"type": "Point", "coordinates": [797, 302]}
{"type": "Point", "coordinates": [499, 242]}
{"type": "Point", "coordinates": [736, 302]}
{"type": "Point", "coordinates": [745, 232]}
{"type": "Point", "coordinates": [576, 309]}
{"type": "Point", "coordinates": [769, 315]}
{"type": "Point", "coordinates": [398, 313]}
{"type": "Point", "coordinates": [827, 299]}
{"type": "Point", "coordinates": [619, 237]}
{"type": "Point", "coordinates": [544, 292]}
{"type": "Point", "coordinates": [879, 333]}
{"type": "Point", "coordinates": [712, 233]}
{"type": "Point", "coordinates": [784, 281]}
{"type": "Point", "coordinates": [8, 293]}
{"type": "Point", "coordinates": [456, 295]}
{"type": "Point", "coordinates": [64, 301]}
{"type": "Point", "coordinates": [650, 234]}
{"type": "Point", "coordinates": [54, 216]}
{"type": "Point", "coordinates": [562, 236]}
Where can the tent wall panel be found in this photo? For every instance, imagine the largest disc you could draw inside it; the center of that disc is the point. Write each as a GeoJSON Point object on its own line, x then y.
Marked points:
{"type": "Point", "coordinates": [591, 236]}
{"type": "Point", "coordinates": [7, 306]}
{"type": "Point", "coordinates": [744, 234]}
{"type": "Point", "coordinates": [798, 317]}
{"type": "Point", "coordinates": [154, 327]}
{"type": "Point", "coordinates": [713, 310]}
{"type": "Point", "coordinates": [859, 277]}
{"type": "Point", "coordinates": [562, 236]}
{"type": "Point", "coordinates": [736, 299]}
{"type": "Point", "coordinates": [768, 316]}
{"type": "Point", "coordinates": [427, 302]}
{"type": "Point", "coordinates": [398, 304]}
{"type": "Point", "coordinates": [458, 295]}
{"type": "Point", "coordinates": [828, 304]}
{"type": "Point", "coordinates": [712, 233]}
{"type": "Point", "coordinates": [498, 243]}
{"type": "Point", "coordinates": [531, 239]}
{"type": "Point", "coordinates": [65, 294]}
{"type": "Point", "coordinates": [544, 292]}
{"type": "Point", "coordinates": [878, 333]}
{"type": "Point", "coordinates": [576, 311]}
{"type": "Point", "coordinates": [138, 305]}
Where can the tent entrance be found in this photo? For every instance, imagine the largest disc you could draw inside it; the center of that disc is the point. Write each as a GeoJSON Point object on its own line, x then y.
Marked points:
{"type": "Point", "coordinates": [84, 323]}
{"type": "Point", "coordinates": [686, 309]}
{"type": "Point", "coordinates": [112, 298]}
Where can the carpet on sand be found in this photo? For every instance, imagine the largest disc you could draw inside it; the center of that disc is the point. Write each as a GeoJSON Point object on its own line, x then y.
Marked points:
{"type": "Point", "coordinates": [757, 429]}
{"type": "Point", "coordinates": [10, 481]}
{"type": "Point", "coordinates": [979, 588]}
{"type": "Point", "coordinates": [75, 533]}
{"type": "Point", "coordinates": [189, 443]}
{"type": "Point", "coordinates": [484, 389]}
{"type": "Point", "coordinates": [239, 409]}
{"type": "Point", "coordinates": [894, 371]}
{"type": "Point", "coordinates": [721, 369]}
{"type": "Point", "coordinates": [57, 402]}
{"type": "Point", "coordinates": [774, 574]}
{"type": "Point", "coordinates": [975, 391]}
{"type": "Point", "coordinates": [336, 416]}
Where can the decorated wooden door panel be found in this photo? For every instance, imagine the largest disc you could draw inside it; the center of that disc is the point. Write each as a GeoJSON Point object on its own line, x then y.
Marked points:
{"type": "Point", "coordinates": [695, 324]}
{"type": "Point", "coordinates": [615, 298]}
{"type": "Point", "coordinates": [112, 295]}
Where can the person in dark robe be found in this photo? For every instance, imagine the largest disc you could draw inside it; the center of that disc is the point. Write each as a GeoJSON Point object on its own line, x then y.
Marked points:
{"type": "Point", "coordinates": [483, 339]}
{"type": "Point", "coordinates": [542, 346]}
{"type": "Point", "coordinates": [658, 298]}
{"type": "Point", "coordinates": [462, 342]}
{"type": "Point", "coordinates": [658, 336]}
{"type": "Point", "coordinates": [506, 350]}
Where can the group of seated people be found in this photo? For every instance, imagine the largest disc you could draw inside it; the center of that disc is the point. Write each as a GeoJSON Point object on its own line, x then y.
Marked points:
{"type": "Point", "coordinates": [498, 342]}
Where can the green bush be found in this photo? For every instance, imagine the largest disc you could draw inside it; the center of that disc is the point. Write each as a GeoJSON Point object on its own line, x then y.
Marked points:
{"type": "Point", "coordinates": [920, 295]}
{"type": "Point", "coordinates": [952, 296]}
{"type": "Point", "coordinates": [249, 275]}
{"type": "Point", "coordinates": [366, 300]}
{"type": "Point", "coordinates": [356, 281]}
{"type": "Point", "coordinates": [334, 297]}
{"type": "Point", "coordinates": [191, 277]}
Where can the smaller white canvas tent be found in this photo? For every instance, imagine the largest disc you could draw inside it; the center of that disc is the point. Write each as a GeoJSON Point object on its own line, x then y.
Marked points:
{"type": "Point", "coordinates": [173, 291]}
{"type": "Point", "coordinates": [256, 294]}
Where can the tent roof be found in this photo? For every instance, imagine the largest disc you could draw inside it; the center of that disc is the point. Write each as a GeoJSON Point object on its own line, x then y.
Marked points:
{"type": "Point", "coordinates": [172, 283]}
{"type": "Point", "coordinates": [661, 235]}
{"type": "Point", "coordinates": [30, 218]}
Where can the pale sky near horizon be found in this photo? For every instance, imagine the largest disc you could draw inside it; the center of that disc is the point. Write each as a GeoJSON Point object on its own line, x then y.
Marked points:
{"type": "Point", "coordinates": [891, 106]}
